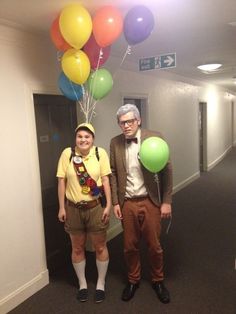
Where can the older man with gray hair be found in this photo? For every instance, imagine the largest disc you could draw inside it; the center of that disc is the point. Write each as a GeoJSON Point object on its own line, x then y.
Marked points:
{"type": "Point", "coordinates": [137, 202]}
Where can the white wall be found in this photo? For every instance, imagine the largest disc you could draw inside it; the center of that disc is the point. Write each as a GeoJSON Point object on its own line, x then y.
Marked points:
{"type": "Point", "coordinates": [24, 64]}
{"type": "Point", "coordinates": [173, 109]}
{"type": "Point", "coordinates": [29, 64]}
{"type": "Point", "coordinates": [219, 117]}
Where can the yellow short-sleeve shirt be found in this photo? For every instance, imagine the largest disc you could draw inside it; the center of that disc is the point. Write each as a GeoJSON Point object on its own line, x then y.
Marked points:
{"type": "Point", "coordinates": [96, 169]}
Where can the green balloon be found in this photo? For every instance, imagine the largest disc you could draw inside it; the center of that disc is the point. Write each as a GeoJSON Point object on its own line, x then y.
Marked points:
{"type": "Point", "coordinates": [154, 154]}
{"type": "Point", "coordinates": [100, 83]}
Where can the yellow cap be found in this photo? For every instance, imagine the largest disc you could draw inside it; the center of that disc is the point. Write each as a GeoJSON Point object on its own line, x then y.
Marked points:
{"type": "Point", "coordinates": [86, 126]}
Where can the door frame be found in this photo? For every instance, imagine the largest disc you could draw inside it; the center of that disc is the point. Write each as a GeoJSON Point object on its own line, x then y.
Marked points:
{"type": "Point", "coordinates": [232, 122]}
{"type": "Point", "coordinates": [143, 106]}
{"type": "Point", "coordinates": [50, 104]}
{"type": "Point", "coordinates": [202, 125]}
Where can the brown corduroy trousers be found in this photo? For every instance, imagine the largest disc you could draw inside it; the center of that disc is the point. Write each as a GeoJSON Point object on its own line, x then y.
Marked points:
{"type": "Point", "coordinates": [141, 218]}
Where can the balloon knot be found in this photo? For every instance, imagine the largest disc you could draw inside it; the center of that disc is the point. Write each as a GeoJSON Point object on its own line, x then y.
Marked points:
{"type": "Point", "coordinates": [129, 50]}
{"type": "Point", "coordinates": [100, 54]}
{"type": "Point", "coordinates": [59, 55]}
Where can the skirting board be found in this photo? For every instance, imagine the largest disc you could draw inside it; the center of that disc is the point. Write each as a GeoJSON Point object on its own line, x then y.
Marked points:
{"type": "Point", "coordinates": [216, 161]}
{"type": "Point", "coordinates": [24, 292]}
{"type": "Point", "coordinates": [114, 231]}
{"type": "Point", "coordinates": [186, 182]}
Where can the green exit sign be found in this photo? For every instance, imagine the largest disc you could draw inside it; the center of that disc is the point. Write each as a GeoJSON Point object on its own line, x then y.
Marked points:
{"type": "Point", "coordinates": [165, 61]}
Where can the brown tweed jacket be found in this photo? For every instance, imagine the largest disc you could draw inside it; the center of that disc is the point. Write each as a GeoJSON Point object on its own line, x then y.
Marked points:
{"type": "Point", "coordinates": [119, 175]}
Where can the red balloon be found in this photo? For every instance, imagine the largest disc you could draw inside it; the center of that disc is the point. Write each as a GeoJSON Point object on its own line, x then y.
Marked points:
{"type": "Point", "coordinates": [57, 37]}
{"type": "Point", "coordinates": [97, 55]}
{"type": "Point", "coordinates": [107, 25]}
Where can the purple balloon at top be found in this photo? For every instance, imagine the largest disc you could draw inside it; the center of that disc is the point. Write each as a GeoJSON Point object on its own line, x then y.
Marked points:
{"type": "Point", "coordinates": [138, 24]}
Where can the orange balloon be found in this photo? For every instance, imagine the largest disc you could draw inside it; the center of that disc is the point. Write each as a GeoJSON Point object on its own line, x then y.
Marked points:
{"type": "Point", "coordinates": [57, 37]}
{"type": "Point", "coordinates": [107, 25]}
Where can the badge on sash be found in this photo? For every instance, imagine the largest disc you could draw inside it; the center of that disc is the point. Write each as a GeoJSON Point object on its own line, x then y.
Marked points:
{"type": "Point", "coordinates": [77, 160]}
{"type": "Point", "coordinates": [88, 185]}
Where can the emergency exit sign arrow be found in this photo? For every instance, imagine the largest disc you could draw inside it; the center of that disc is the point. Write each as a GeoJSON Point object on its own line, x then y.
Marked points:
{"type": "Point", "coordinates": [169, 61]}
{"type": "Point", "coordinates": [164, 61]}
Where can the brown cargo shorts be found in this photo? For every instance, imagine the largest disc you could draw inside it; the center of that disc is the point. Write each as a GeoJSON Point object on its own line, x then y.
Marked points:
{"type": "Point", "coordinates": [80, 220]}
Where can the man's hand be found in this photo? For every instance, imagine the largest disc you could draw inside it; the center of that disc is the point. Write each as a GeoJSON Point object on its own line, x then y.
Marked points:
{"type": "Point", "coordinates": [165, 210]}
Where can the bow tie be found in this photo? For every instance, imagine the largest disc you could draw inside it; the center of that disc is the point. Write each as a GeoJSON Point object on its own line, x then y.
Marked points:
{"type": "Point", "coordinates": [130, 140]}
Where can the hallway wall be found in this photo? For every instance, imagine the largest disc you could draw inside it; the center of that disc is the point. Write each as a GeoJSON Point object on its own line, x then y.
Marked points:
{"type": "Point", "coordinates": [29, 64]}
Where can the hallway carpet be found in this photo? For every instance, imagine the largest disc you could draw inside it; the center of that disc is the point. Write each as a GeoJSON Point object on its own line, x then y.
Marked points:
{"type": "Point", "coordinates": [200, 252]}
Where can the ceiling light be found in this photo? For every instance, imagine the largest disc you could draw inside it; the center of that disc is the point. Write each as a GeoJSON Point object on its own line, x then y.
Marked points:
{"type": "Point", "coordinates": [232, 24]}
{"type": "Point", "coordinates": [209, 67]}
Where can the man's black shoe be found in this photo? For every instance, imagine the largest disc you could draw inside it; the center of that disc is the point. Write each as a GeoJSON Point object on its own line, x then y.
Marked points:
{"type": "Point", "coordinates": [161, 291]}
{"type": "Point", "coordinates": [129, 291]}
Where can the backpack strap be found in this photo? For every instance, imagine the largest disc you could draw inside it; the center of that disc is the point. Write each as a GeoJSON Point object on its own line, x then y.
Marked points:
{"type": "Point", "coordinates": [96, 152]}
{"type": "Point", "coordinates": [72, 153]}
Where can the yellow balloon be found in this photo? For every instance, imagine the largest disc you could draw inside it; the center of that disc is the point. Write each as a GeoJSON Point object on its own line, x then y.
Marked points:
{"type": "Point", "coordinates": [76, 65]}
{"type": "Point", "coordinates": [75, 25]}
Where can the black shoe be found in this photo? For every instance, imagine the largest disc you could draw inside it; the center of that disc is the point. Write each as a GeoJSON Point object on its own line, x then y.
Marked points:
{"type": "Point", "coordinates": [99, 296]}
{"type": "Point", "coordinates": [161, 291]}
{"type": "Point", "coordinates": [129, 291]}
{"type": "Point", "coordinates": [82, 295]}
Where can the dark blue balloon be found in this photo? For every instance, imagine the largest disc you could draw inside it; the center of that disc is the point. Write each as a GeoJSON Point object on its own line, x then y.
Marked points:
{"type": "Point", "coordinates": [69, 89]}
{"type": "Point", "coordinates": [138, 24]}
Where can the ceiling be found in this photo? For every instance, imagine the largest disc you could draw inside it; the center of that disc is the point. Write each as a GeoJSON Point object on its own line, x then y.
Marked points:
{"type": "Point", "coordinates": [198, 31]}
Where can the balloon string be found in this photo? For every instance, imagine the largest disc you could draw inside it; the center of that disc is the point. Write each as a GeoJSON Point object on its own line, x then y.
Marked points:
{"type": "Point", "coordinates": [72, 86]}
{"type": "Point", "coordinates": [92, 112]}
{"type": "Point", "coordinates": [158, 186]}
{"type": "Point", "coordinates": [90, 102]}
{"type": "Point", "coordinates": [87, 104]}
{"type": "Point", "coordinates": [168, 227]}
{"type": "Point", "coordinates": [86, 101]}
{"type": "Point", "coordinates": [156, 179]}
{"type": "Point", "coordinates": [95, 74]}
{"type": "Point", "coordinates": [99, 58]}
{"type": "Point", "coordinates": [83, 103]}
{"type": "Point", "coordinates": [89, 107]}
{"type": "Point", "coordinates": [88, 112]}
{"type": "Point", "coordinates": [127, 52]}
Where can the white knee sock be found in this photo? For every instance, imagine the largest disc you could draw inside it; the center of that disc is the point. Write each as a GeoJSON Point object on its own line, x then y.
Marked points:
{"type": "Point", "coordinates": [102, 270]}
{"type": "Point", "coordinates": [80, 272]}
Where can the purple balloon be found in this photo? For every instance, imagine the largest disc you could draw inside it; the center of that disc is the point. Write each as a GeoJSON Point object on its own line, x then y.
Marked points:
{"type": "Point", "coordinates": [138, 24]}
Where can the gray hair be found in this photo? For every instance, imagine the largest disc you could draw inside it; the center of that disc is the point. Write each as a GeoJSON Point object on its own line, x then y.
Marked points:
{"type": "Point", "coordinates": [128, 108]}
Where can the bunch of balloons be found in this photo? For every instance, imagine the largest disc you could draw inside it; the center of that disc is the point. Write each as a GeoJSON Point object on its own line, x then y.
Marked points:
{"type": "Point", "coordinates": [154, 154]}
{"type": "Point", "coordinates": [85, 42]}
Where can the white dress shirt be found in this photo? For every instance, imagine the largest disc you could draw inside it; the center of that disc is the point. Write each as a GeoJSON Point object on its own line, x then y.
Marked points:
{"type": "Point", "coordinates": [135, 183]}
